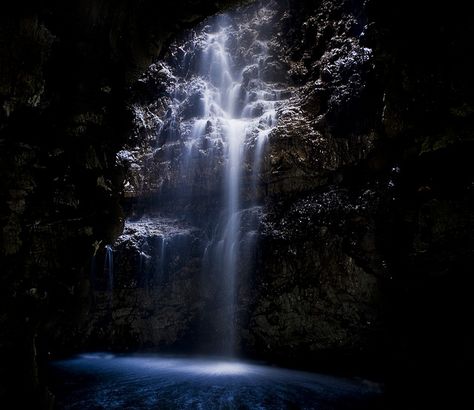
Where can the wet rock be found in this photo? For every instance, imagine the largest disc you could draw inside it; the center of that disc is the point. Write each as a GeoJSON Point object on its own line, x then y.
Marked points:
{"type": "Point", "coordinates": [156, 266]}
{"type": "Point", "coordinates": [64, 85]}
{"type": "Point", "coordinates": [274, 72]}
{"type": "Point", "coordinates": [312, 283]}
{"type": "Point", "coordinates": [317, 267]}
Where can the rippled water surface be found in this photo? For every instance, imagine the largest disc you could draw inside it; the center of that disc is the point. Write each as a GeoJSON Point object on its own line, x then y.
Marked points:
{"type": "Point", "coordinates": [105, 381]}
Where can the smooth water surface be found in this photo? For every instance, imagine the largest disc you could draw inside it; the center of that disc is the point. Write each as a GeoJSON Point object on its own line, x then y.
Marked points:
{"type": "Point", "coordinates": [105, 381]}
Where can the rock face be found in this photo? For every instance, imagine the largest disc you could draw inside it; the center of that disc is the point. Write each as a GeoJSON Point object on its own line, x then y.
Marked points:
{"type": "Point", "coordinates": [358, 217]}
{"type": "Point", "coordinates": [426, 230]}
{"type": "Point", "coordinates": [318, 289]}
{"type": "Point", "coordinates": [366, 234]}
{"type": "Point", "coordinates": [310, 290]}
{"type": "Point", "coordinates": [156, 265]}
{"type": "Point", "coordinates": [64, 80]}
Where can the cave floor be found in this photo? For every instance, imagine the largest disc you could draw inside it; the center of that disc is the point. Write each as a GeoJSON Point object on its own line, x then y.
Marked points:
{"type": "Point", "coordinates": [106, 381]}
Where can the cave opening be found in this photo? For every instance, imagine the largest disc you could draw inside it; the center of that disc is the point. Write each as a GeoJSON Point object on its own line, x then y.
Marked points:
{"type": "Point", "coordinates": [241, 204]}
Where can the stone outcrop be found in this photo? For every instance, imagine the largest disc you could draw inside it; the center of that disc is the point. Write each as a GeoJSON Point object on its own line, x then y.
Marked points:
{"type": "Point", "coordinates": [156, 266]}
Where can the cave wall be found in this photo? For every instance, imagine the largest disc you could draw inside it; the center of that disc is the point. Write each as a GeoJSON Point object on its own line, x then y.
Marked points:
{"type": "Point", "coordinates": [64, 80]}
{"type": "Point", "coordinates": [313, 296]}
{"type": "Point", "coordinates": [396, 188]}
{"type": "Point", "coordinates": [366, 241]}
{"type": "Point", "coordinates": [318, 290]}
{"type": "Point", "coordinates": [393, 196]}
{"type": "Point", "coordinates": [426, 232]}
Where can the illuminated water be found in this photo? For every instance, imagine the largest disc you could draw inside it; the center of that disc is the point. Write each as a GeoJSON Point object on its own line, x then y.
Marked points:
{"type": "Point", "coordinates": [222, 111]}
{"type": "Point", "coordinates": [105, 381]}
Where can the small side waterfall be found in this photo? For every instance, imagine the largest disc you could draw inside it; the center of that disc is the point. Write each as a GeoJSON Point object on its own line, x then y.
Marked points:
{"type": "Point", "coordinates": [162, 257]}
{"type": "Point", "coordinates": [109, 270]}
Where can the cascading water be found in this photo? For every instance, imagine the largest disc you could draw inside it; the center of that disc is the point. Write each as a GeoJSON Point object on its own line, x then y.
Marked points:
{"type": "Point", "coordinates": [203, 168]}
{"type": "Point", "coordinates": [109, 270]}
{"type": "Point", "coordinates": [162, 254]}
{"type": "Point", "coordinates": [230, 111]}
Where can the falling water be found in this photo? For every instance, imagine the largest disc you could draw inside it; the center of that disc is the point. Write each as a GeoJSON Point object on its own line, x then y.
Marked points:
{"type": "Point", "coordinates": [162, 255]}
{"type": "Point", "coordinates": [224, 88]}
{"type": "Point", "coordinates": [109, 270]}
{"type": "Point", "coordinates": [222, 110]}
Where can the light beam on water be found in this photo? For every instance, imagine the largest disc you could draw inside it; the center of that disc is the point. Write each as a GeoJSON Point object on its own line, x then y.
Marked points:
{"type": "Point", "coordinates": [149, 382]}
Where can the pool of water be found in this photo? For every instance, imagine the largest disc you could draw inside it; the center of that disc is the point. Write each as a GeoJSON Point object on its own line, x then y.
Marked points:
{"type": "Point", "coordinates": [106, 381]}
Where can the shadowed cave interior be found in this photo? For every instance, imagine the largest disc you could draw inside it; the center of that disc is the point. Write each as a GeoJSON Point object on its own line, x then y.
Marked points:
{"type": "Point", "coordinates": [236, 204]}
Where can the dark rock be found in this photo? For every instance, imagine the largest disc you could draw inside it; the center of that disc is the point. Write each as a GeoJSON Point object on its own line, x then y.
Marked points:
{"type": "Point", "coordinates": [157, 265]}
{"type": "Point", "coordinates": [64, 85]}
{"type": "Point", "coordinates": [313, 282]}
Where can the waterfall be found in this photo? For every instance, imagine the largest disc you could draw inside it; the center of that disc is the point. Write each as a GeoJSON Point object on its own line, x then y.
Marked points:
{"type": "Point", "coordinates": [222, 110]}
{"type": "Point", "coordinates": [109, 270]}
{"type": "Point", "coordinates": [162, 255]}
{"type": "Point", "coordinates": [213, 123]}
